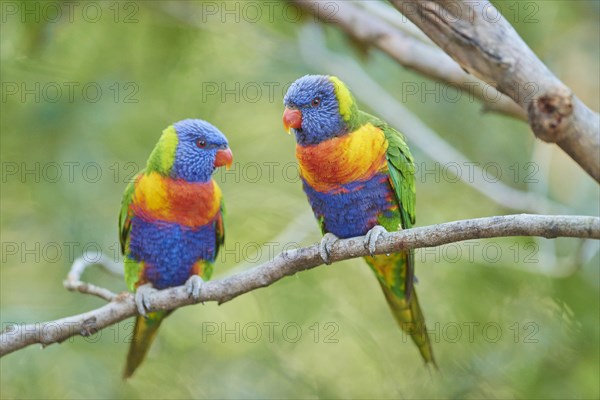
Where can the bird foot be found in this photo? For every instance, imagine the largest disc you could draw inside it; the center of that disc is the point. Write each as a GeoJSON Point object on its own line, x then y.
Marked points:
{"type": "Point", "coordinates": [193, 286]}
{"type": "Point", "coordinates": [325, 246]}
{"type": "Point", "coordinates": [141, 298]}
{"type": "Point", "coordinates": [373, 236]}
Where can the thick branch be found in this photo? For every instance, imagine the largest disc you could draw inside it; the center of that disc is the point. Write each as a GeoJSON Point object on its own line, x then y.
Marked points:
{"type": "Point", "coordinates": [485, 44]}
{"type": "Point", "coordinates": [408, 50]}
{"type": "Point", "coordinates": [289, 263]}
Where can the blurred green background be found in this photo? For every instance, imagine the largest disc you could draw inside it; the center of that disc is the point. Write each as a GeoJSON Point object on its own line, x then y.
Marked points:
{"type": "Point", "coordinates": [85, 95]}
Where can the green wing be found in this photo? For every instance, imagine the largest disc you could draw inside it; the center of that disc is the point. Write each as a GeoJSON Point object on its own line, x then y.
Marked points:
{"type": "Point", "coordinates": [132, 268]}
{"type": "Point", "coordinates": [402, 175]}
{"type": "Point", "coordinates": [125, 214]}
{"type": "Point", "coordinates": [220, 228]}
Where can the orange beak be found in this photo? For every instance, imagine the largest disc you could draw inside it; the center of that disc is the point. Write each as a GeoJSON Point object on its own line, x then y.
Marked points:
{"type": "Point", "coordinates": [224, 157]}
{"type": "Point", "coordinates": [292, 119]}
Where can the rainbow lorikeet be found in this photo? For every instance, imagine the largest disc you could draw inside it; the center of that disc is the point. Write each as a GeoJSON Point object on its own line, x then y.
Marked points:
{"type": "Point", "coordinates": [171, 222]}
{"type": "Point", "coordinates": [358, 175]}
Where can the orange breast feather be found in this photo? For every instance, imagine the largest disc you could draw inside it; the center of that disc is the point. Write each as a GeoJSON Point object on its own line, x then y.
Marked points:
{"type": "Point", "coordinates": [173, 200]}
{"type": "Point", "coordinates": [356, 156]}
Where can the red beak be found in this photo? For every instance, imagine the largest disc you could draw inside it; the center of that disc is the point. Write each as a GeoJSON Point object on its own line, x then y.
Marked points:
{"type": "Point", "coordinates": [292, 119]}
{"type": "Point", "coordinates": [224, 157]}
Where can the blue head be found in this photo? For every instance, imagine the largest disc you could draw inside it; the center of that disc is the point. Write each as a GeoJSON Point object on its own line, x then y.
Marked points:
{"type": "Point", "coordinates": [318, 107]}
{"type": "Point", "coordinates": [190, 150]}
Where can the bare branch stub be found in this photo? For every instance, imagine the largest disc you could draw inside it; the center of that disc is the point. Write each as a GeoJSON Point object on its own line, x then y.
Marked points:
{"type": "Point", "coordinates": [550, 114]}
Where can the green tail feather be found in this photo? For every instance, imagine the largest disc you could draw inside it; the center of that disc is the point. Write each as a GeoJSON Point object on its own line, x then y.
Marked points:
{"type": "Point", "coordinates": [143, 336]}
{"type": "Point", "coordinates": [411, 320]}
{"type": "Point", "coordinates": [391, 272]}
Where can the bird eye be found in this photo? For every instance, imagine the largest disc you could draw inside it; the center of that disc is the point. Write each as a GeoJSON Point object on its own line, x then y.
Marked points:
{"type": "Point", "coordinates": [315, 102]}
{"type": "Point", "coordinates": [201, 143]}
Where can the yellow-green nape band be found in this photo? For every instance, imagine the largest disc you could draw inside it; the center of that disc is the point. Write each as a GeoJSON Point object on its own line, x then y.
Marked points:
{"type": "Point", "coordinates": [168, 147]}
{"type": "Point", "coordinates": [343, 96]}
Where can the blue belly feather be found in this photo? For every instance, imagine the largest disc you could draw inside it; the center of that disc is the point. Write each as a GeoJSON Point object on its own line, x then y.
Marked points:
{"type": "Point", "coordinates": [169, 250]}
{"type": "Point", "coordinates": [352, 209]}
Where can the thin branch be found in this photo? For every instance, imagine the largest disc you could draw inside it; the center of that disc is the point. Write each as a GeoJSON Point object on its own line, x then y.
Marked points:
{"type": "Point", "coordinates": [88, 288]}
{"type": "Point", "coordinates": [384, 11]}
{"type": "Point", "coordinates": [312, 48]}
{"type": "Point", "coordinates": [74, 282]}
{"type": "Point", "coordinates": [491, 49]}
{"type": "Point", "coordinates": [291, 262]}
{"type": "Point", "coordinates": [364, 25]}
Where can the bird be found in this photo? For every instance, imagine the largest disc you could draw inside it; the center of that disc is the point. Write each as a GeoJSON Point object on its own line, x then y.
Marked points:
{"type": "Point", "coordinates": [171, 222]}
{"type": "Point", "coordinates": [358, 175]}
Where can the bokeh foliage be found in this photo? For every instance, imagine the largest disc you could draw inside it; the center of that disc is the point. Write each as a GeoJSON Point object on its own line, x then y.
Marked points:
{"type": "Point", "coordinates": [179, 60]}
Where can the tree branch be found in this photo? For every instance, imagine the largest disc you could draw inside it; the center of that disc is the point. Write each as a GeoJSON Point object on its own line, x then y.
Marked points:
{"type": "Point", "coordinates": [485, 44]}
{"type": "Point", "coordinates": [291, 262]}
